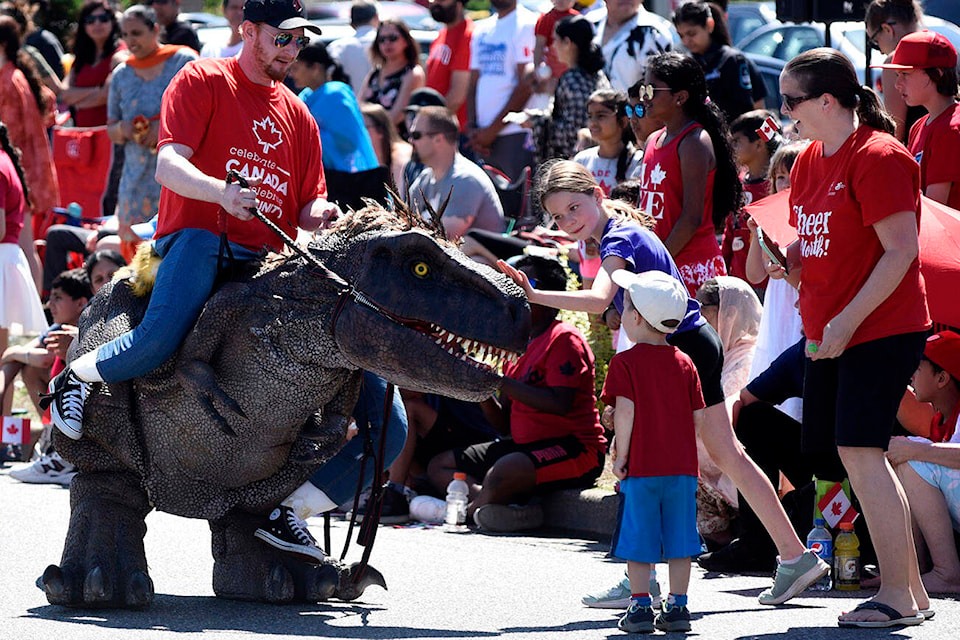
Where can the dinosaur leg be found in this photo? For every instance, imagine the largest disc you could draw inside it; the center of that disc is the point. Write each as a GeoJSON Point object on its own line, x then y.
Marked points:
{"type": "Point", "coordinates": [103, 562]}
{"type": "Point", "coordinates": [246, 569]}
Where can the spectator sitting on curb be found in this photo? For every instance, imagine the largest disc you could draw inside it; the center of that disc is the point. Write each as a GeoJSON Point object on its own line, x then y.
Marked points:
{"type": "Point", "coordinates": [930, 469]}
{"type": "Point", "coordinates": [36, 364]}
{"type": "Point", "coordinates": [547, 406]}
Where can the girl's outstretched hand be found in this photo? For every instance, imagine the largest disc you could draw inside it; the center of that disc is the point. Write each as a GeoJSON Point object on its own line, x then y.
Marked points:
{"type": "Point", "coordinates": [517, 276]}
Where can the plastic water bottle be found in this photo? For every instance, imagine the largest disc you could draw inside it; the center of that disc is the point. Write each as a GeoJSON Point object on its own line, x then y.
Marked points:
{"type": "Point", "coordinates": [820, 542]}
{"type": "Point", "coordinates": [846, 562]}
{"type": "Point", "coordinates": [457, 491]}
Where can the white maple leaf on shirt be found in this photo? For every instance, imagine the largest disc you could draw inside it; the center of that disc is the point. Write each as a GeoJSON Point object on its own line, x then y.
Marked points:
{"type": "Point", "coordinates": [658, 175]}
{"type": "Point", "coordinates": [267, 134]}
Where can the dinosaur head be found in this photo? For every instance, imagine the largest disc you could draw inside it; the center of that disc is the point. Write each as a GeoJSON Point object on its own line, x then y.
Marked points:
{"type": "Point", "coordinates": [438, 322]}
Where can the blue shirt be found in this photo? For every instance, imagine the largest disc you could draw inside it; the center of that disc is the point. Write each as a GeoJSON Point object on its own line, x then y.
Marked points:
{"type": "Point", "coordinates": [345, 141]}
{"type": "Point", "coordinates": [643, 251]}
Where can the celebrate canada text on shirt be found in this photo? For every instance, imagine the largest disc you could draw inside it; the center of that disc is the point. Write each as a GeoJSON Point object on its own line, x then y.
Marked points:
{"type": "Point", "coordinates": [252, 166]}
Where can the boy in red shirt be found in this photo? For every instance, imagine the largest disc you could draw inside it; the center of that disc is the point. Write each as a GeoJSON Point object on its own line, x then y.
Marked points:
{"type": "Point", "coordinates": [659, 407]}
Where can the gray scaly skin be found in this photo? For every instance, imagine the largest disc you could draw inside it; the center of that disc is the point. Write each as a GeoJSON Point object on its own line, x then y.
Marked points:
{"type": "Point", "coordinates": [258, 397]}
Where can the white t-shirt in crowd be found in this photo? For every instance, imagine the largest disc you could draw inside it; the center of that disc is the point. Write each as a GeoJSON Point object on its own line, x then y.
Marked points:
{"type": "Point", "coordinates": [497, 47]}
{"type": "Point", "coordinates": [604, 170]}
{"type": "Point", "coordinates": [220, 49]}
{"type": "Point", "coordinates": [353, 54]}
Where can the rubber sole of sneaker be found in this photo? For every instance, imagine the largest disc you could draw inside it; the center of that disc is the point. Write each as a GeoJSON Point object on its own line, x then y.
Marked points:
{"type": "Point", "coordinates": [502, 518]}
{"type": "Point", "coordinates": [637, 627]}
{"type": "Point", "coordinates": [313, 556]}
{"type": "Point", "coordinates": [671, 625]}
{"type": "Point", "coordinates": [64, 428]}
{"type": "Point", "coordinates": [799, 585]}
{"type": "Point", "coordinates": [622, 603]}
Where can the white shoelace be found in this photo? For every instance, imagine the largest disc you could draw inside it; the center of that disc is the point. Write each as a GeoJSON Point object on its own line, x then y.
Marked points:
{"type": "Point", "coordinates": [299, 528]}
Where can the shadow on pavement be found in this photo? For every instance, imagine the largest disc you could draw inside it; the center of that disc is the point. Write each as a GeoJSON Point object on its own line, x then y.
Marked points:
{"type": "Point", "coordinates": [192, 614]}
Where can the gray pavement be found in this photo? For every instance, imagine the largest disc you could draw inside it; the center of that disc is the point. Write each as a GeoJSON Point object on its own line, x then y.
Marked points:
{"type": "Point", "coordinates": [441, 585]}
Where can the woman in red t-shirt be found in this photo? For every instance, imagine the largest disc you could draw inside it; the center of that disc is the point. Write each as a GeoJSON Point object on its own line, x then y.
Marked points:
{"type": "Point", "coordinates": [96, 50]}
{"type": "Point", "coordinates": [926, 66]}
{"type": "Point", "coordinates": [689, 179]}
{"type": "Point", "coordinates": [855, 203]}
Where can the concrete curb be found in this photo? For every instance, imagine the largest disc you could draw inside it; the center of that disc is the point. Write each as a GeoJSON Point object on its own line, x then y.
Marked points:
{"type": "Point", "coordinates": [591, 513]}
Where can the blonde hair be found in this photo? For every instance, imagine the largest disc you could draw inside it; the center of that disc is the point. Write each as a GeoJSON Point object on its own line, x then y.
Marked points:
{"type": "Point", "coordinates": [572, 177]}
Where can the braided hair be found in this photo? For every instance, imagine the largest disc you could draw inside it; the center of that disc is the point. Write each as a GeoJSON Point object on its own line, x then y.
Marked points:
{"type": "Point", "coordinates": [682, 73]}
{"type": "Point", "coordinates": [14, 155]}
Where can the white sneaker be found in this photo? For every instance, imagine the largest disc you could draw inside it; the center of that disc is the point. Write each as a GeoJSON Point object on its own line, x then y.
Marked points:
{"type": "Point", "coordinates": [428, 509]}
{"type": "Point", "coordinates": [49, 469]}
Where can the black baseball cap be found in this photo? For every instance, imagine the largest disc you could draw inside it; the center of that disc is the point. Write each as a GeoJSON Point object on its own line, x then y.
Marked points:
{"type": "Point", "coordinates": [425, 97]}
{"type": "Point", "coordinates": [282, 14]}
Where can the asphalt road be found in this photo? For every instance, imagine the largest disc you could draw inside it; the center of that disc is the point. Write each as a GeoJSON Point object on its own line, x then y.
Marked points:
{"type": "Point", "coordinates": [441, 585]}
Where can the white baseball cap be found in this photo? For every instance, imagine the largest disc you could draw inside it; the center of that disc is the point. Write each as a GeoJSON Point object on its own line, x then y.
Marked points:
{"type": "Point", "coordinates": [660, 298]}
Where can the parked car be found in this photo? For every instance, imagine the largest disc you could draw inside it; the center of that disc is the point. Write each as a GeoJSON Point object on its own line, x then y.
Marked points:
{"type": "Point", "coordinates": [948, 10]}
{"type": "Point", "coordinates": [770, 69]}
{"type": "Point", "coordinates": [785, 41]}
{"type": "Point", "coordinates": [744, 18]}
{"type": "Point", "coordinates": [338, 12]}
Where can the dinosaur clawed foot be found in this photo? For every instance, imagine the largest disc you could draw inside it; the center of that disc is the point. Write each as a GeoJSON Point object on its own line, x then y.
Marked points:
{"type": "Point", "coordinates": [96, 588]}
{"type": "Point", "coordinates": [354, 582]}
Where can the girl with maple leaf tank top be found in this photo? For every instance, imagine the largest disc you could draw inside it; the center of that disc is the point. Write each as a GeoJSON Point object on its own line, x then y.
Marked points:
{"type": "Point", "coordinates": [689, 181]}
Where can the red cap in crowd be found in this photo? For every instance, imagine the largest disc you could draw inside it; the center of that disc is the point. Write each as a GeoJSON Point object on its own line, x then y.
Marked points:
{"type": "Point", "coordinates": [943, 349]}
{"type": "Point", "coordinates": [922, 50]}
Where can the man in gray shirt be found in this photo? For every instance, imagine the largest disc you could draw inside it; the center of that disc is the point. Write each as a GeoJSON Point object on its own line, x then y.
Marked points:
{"type": "Point", "coordinates": [475, 203]}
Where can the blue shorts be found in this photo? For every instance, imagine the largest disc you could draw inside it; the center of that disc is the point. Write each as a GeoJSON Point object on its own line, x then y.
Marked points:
{"type": "Point", "coordinates": [658, 520]}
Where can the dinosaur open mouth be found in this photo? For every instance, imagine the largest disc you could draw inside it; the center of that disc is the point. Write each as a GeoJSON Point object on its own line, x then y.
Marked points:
{"type": "Point", "coordinates": [485, 357]}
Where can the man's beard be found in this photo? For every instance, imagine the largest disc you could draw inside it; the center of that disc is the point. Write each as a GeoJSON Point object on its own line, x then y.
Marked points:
{"type": "Point", "coordinates": [268, 68]}
{"type": "Point", "coordinates": [444, 15]}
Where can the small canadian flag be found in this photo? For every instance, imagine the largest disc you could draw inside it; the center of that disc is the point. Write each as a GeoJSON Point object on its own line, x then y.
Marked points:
{"type": "Point", "coordinates": [769, 129]}
{"type": "Point", "coordinates": [16, 430]}
{"type": "Point", "coordinates": [835, 507]}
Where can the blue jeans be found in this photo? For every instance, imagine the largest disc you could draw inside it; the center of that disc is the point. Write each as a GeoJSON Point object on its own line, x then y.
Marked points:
{"type": "Point", "coordinates": [338, 477]}
{"type": "Point", "coordinates": [184, 283]}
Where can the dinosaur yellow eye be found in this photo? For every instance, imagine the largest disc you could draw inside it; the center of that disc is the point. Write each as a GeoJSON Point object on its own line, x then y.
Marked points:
{"type": "Point", "coordinates": [421, 269]}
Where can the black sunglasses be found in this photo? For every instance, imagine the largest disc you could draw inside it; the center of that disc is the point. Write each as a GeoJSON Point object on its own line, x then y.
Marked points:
{"type": "Point", "coordinates": [871, 38]}
{"type": "Point", "coordinates": [100, 17]}
{"type": "Point", "coordinates": [390, 38]}
{"type": "Point", "coordinates": [791, 102]}
{"type": "Point", "coordinates": [416, 135]}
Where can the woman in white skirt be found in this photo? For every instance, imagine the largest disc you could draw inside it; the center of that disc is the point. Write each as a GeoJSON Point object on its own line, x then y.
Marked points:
{"type": "Point", "coordinates": [20, 309]}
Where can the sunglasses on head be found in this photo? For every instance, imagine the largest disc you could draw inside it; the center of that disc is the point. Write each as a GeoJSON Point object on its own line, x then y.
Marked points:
{"type": "Point", "coordinates": [647, 91]}
{"type": "Point", "coordinates": [100, 17]}
{"type": "Point", "coordinates": [283, 38]}
{"type": "Point", "coordinates": [635, 111]}
{"type": "Point", "coordinates": [390, 38]}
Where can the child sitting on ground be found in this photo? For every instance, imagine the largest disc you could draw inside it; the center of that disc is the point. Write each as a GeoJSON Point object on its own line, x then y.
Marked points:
{"type": "Point", "coordinates": [659, 408]}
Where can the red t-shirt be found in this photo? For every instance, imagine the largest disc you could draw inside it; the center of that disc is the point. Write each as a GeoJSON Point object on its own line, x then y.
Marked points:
{"type": "Point", "coordinates": [937, 148]}
{"type": "Point", "coordinates": [448, 53]}
{"type": "Point", "coordinates": [559, 357]}
{"type": "Point", "coordinates": [833, 204]}
{"type": "Point", "coordinates": [232, 123]}
{"type": "Point", "coordinates": [736, 234]}
{"type": "Point", "coordinates": [11, 200]}
{"type": "Point", "coordinates": [545, 24]}
{"type": "Point", "coordinates": [663, 384]}
{"type": "Point", "coordinates": [661, 196]}
{"type": "Point", "coordinates": [94, 75]}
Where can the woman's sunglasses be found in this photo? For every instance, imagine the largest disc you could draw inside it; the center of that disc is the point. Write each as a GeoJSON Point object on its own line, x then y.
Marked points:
{"type": "Point", "coordinates": [647, 91]}
{"type": "Point", "coordinates": [791, 102]}
{"type": "Point", "coordinates": [100, 17]}
{"type": "Point", "coordinates": [383, 39]}
{"type": "Point", "coordinates": [635, 111]}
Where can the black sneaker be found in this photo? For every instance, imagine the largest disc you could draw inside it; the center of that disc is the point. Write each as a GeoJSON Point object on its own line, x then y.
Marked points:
{"type": "Point", "coordinates": [10, 453]}
{"type": "Point", "coordinates": [637, 619]}
{"type": "Point", "coordinates": [287, 532]}
{"type": "Point", "coordinates": [66, 395]}
{"type": "Point", "coordinates": [673, 618]}
{"type": "Point", "coordinates": [395, 508]}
